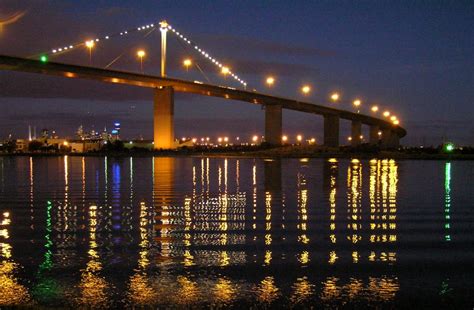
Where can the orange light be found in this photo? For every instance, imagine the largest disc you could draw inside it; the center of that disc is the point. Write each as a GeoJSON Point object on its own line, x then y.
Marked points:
{"type": "Point", "coordinates": [386, 113]}
{"type": "Point", "coordinates": [141, 53]}
{"type": "Point", "coordinates": [357, 102]}
{"type": "Point", "coordinates": [335, 97]}
{"type": "Point", "coordinates": [270, 81]}
{"type": "Point", "coordinates": [225, 70]}
{"type": "Point", "coordinates": [375, 108]}
{"type": "Point", "coordinates": [187, 62]}
{"type": "Point", "coordinates": [306, 89]}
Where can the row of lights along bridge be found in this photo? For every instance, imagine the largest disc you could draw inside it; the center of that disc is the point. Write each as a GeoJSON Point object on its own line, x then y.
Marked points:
{"type": "Point", "coordinates": [270, 81]}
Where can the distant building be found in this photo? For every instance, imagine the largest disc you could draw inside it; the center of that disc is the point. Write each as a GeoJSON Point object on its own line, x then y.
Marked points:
{"type": "Point", "coordinates": [83, 146]}
{"type": "Point", "coordinates": [21, 145]}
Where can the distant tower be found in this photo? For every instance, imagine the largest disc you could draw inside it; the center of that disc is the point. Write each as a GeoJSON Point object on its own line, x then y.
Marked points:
{"type": "Point", "coordinates": [29, 132]}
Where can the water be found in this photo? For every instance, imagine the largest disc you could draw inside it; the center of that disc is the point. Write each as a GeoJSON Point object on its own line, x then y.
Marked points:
{"type": "Point", "coordinates": [190, 232]}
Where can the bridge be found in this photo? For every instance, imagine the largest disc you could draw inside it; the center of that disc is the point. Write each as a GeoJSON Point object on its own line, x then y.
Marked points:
{"type": "Point", "coordinates": [382, 131]}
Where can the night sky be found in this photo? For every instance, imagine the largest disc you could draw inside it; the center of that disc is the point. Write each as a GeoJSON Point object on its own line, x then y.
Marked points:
{"type": "Point", "coordinates": [411, 57]}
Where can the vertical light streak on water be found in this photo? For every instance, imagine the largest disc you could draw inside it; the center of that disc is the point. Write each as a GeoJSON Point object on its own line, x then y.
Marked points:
{"type": "Point", "coordinates": [32, 193]}
{"type": "Point", "coordinates": [447, 201]}
{"type": "Point", "coordinates": [333, 173]}
{"type": "Point", "coordinates": [302, 200]}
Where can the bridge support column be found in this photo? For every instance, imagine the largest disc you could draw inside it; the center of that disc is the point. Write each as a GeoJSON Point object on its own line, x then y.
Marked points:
{"type": "Point", "coordinates": [356, 132]}
{"type": "Point", "coordinates": [331, 130]}
{"type": "Point", "coordinates": [273, 124]}
{"type": "Point", "coordinates": [374, 135]}
{"type": "Point", "coordinates": [163, 118]}
{"type": "Point", "coordinates": [390, 139]}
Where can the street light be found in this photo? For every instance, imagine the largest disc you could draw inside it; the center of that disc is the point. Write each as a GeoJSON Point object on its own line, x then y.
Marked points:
{"type": "Point", "coordinates": [187, 63]}
{"type": "Point", "coordinates": [255, 138]}
{"type": "Point", "coordinates": [393, 118]}
{"type": "Point", "coordinates": [225, 71]}
{"type": "Point", "coordinates": [386, 113]}
{"type": "Point", "coordinates": [335, 97]}
{"type": "Point", "coordinates": [284, 138]}
{"type": "Point", "coordinates": [270, 81]}
{"type": "Point", "coordinates": [306, 89]}
{"type": "Point", "coordinates": [396, 122]}
{"type": "Point", "coordinates": [141, 54]}
{"type": "Point", "coordinates": [299, 138]}
{"type": "Point", "coordinates": [375, 108]}
{"type": "Point", "coordinates": [357, 103]}
{"type": "Point", "coordinates": [90, 45]}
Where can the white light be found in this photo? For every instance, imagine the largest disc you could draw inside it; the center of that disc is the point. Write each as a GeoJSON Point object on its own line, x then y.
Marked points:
{"type": "Point", "coordinates": [107, 37]}
{"type": "Point", "coordinates": [70, 46]}
{"type": "Point", "coordinates": [126, 32]}
{"type": "Point", "coordinates": [121, 33]}
{"type": "Point", "coordinates": [60, 50]}
{"type": "Point", "coordinates": [54, 51]}
{"type": "Point", "coordinates": [153, 25]}
{"type": "Point", "coordinates": [65, 48]}
{"type": "Point", "coordinates": [139, 28]}
{"type": "Point", "coordinates": [97, 40]}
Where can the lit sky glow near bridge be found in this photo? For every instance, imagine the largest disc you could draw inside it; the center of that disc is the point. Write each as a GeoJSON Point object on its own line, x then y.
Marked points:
{"type": "Point", "coordinates": [414, 60]}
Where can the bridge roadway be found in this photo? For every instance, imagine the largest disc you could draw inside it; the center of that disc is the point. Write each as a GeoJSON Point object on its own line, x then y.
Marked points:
{"type": "Point", "coordinates": [164, 103]}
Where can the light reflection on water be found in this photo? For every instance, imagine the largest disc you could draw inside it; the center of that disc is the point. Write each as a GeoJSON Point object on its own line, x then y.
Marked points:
{"type": "Point", "coordinates": [99, 232]}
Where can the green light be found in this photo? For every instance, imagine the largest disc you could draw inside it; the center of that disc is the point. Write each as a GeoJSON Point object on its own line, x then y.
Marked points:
{"type": "Point", "coordinates": [449, 147]}
{"type": "Point", "coordinates": [44, 58]}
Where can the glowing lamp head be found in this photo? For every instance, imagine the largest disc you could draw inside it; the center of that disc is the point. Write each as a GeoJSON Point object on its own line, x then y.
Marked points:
{"type": "Point", "coordinates": [356, 103]}
{"type": "Point", "coordinates": [187, 62]}
{"type": "Point", "coordinates": [284, 138]}
{"type": "Point", "coordinates": [386, 113]}
{"type": "Point", "coordinates": [270, 81]}
{"type": "Point", "coordinates": [375, 108]}
{"type": "Point", "coordinates": [90, 43]}
{"type": "Point", "coordinates": [449, 147]}
{"type": "Point", "coordinates": [396, 122]}
{"type": "Point", "coordinates": [225, 70]}
{"type": "Point", "coordinates": [335, 97]}
{"type": "Point", "coordinates": [141, 53]}
{"type": "Point", "coordinates": [44, 58]}
{"type": "Point", "coordinates": [306, 89]}
{"type": "Point", "coordinates": [299, 138]}
{"type": "Point", "coordinates": [255, 138]}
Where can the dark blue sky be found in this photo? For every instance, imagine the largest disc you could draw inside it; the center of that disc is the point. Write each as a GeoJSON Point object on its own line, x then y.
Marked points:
{"type": "Point", "coordinates": [412, 57]}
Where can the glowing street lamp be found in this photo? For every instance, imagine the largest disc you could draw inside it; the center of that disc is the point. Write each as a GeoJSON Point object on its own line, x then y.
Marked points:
{"type": "Point", "coordinates": [284, 138]}
{"type": "Point", "coordinates": [305, 89]}
{"type": "Point", "coordinates": [90, 45]}
{"type": "Point", "coordinates": [187, 63]}
{"type": "Point", "coordinates": [375, 108]}
{"type": "Point", "coordinates": [225, 70]}
{"type": "Point", "coordinates": [299, 138]}
{"type": "Point", "coordinates": [396, 122]}
{"type": "Point", "coordinates": [449, 147]}
{"type": "Point", "coordinates": [141, 54]}
{"type": "Point", "coordinates": [393, 118]}
{"type": "Point", "coordinates": [386, 113]}
{"type": "Point", "coordinates": [335, 97]}
{"type": "Point", "coordinates": [255, 138]}
{"type": "Point", "coordinates": [270, 81]}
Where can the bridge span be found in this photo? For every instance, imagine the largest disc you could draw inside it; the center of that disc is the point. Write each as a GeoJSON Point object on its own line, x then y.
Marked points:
{"type": "Point", "coordinates": [164, 89]}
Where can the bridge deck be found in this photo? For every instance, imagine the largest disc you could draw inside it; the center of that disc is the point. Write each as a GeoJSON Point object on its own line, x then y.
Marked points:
{"type": "Point", "coordinates": [129, 78]}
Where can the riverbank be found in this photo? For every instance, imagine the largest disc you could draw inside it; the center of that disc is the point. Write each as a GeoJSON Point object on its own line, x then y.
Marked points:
{"type": "Point", "coordinates": [277, 152]}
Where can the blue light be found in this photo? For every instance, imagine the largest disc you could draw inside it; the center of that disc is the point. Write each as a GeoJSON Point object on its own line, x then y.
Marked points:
{"type": "Point", "coordinates": [117, 124]}
{"type": "Point", "coordinates": [115, 132]}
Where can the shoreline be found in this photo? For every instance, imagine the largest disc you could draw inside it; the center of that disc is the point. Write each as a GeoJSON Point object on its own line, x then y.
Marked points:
{"type": "Point", "coordinates": [258, 154]}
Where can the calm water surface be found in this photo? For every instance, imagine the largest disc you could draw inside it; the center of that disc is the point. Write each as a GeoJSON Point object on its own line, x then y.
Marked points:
{"type": "Point", "coordinates": [124, 232]}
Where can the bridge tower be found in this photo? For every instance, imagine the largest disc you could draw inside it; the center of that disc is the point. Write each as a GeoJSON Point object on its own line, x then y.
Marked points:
{"type": "Point", "coordinates": [164, 31]}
